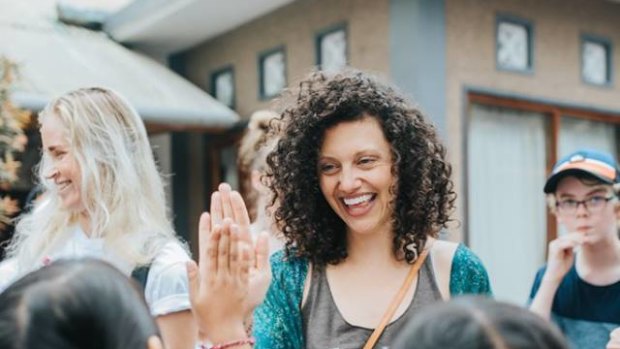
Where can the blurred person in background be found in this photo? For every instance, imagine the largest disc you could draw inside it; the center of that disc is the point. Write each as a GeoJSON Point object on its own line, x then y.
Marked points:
{"type": "Point", "coordinates": [256, 144]}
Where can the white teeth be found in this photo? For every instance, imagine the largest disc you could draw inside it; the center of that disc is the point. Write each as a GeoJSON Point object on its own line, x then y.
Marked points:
{"type": "Point", "coordinates": [357, 200]}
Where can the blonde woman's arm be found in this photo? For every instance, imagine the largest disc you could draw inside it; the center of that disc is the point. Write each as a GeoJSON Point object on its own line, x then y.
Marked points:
{"type": "Point", "coordinates": [167, 293]}
{"type": "Point", "coordinates": [178, 330]}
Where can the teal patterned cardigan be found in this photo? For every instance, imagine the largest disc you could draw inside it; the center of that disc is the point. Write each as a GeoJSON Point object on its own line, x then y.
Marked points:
{"type": "Point", "coordinates": [278, 320]}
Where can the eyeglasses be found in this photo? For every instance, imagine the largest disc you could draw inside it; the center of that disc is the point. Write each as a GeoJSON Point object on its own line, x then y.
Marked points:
{"type": "Point", "coordinates": [592, 204]}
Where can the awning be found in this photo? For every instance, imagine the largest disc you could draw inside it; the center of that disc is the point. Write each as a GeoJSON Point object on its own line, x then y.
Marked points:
{"type": "Point", "coordinates": [54, 58]}
{"type": "Point", "coordinates": [172, 26]}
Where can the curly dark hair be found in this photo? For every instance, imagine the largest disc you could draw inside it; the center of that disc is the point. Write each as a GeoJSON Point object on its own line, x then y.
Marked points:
{"type": "Point", "coordinates": [424, 193]}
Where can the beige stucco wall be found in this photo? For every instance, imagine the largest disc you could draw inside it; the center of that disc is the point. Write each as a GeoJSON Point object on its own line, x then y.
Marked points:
{"type": "Point", "coordinates": [294, 26]}
{"type": "Point", "coordinates": [558, 26]}
{"type": "Point", "coordinates": [470, 54]}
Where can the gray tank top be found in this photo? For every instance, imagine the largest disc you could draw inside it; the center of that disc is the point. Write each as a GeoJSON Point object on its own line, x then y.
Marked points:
{"type": "Point", "coordinates": [325, 328]}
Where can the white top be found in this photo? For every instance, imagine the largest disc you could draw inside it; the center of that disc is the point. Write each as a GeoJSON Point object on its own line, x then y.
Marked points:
{"type": "Point", "coordinates": [166, 290]}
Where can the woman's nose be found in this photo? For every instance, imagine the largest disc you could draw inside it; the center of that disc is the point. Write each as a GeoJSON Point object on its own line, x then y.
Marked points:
{"type": "Point", "coordinates": [349, 180]}
{"type": "Point", "coordinates": [51, 173]}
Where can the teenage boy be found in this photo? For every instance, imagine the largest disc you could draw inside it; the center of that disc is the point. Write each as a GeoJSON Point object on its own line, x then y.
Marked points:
{"type": "Point", "coordinates": [579, 288]}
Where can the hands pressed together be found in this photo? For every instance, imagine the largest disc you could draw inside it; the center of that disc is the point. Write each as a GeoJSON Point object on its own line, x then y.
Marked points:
{"type": "Point", "coordinates": [233, 272]}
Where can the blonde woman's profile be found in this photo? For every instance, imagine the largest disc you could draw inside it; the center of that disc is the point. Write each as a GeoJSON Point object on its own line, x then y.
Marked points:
{"type": "Point", "coordinates": [105, 200]}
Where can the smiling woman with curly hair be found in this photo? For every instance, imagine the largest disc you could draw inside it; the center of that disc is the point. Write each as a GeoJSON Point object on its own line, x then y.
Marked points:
{"type": "Point", "coordinates": [363, 189]}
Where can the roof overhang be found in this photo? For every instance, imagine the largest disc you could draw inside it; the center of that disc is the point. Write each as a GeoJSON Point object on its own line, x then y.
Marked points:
{"type": "Point", "coordinates": [54, 58]}
{"type": "Point", "coordinates": [172, 26]}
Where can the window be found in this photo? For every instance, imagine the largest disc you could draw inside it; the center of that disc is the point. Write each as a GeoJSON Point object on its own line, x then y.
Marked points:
{"type": "Point", "coordinates": [272, 68]}
{"type": "Point", "coordinates": [331, 46]}
{"type": "Point", "coordinates": [514, 44]}
{"type": "Point", "coordinates": [223, 86]}
{"type": "Point", "coordinates": [506, 173]}
{"type": "Point", "coordinates": [595, 61]}
{"type": "Point", "coordinates": [511, 147]}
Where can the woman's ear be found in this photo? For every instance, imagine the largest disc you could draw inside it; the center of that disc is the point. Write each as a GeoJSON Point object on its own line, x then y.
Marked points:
{"type": "Point", "coordinates": [256, 182]}
{"type": "Point", "coordinates": [154, 343]}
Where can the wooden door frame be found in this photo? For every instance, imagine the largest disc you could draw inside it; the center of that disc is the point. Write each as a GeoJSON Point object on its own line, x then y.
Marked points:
{"type": "Point", "coordinates": [554, 113]}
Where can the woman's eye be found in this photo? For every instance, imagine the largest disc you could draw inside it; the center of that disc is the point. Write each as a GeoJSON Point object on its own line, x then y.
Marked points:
{"type": "Point", "coordinates": [367, 161]}
{"type": "Point", "coordinates": [327, 168]}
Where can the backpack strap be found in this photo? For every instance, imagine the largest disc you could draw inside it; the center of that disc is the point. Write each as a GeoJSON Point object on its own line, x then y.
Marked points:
{"type": "Point", "coordinates": [141, 274]}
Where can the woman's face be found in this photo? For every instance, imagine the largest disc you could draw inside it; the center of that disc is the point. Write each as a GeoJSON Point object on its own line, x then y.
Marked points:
{"type": "Point", "coordinates": [64, 170]}
{"type": "Point", "coordinates": [355, 174]}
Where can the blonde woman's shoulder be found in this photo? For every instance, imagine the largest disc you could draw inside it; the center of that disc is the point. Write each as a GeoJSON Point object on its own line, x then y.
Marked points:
{"type": "Point", "coordinates": [167, 288]}
{"type": "Point", "coordinates": [172, 252]}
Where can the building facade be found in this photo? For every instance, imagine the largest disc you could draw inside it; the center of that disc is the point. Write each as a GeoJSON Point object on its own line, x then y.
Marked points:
{"type": "Point", "coordinates": [510, 84]}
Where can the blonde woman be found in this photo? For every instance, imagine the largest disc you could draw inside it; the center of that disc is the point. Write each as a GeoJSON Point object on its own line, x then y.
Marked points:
{"type": "Point", "coordinates": [104, 199]}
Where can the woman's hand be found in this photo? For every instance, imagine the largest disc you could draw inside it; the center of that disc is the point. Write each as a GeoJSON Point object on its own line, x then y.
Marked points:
{"type": "Point", "coordinates": [233, 273]}
{"type": "Point", "coordinates": [226, 203]}
{"type": "Point", "coordinates": [219, 286]}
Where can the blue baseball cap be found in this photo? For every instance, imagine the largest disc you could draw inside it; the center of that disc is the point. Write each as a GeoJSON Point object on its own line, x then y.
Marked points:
{"type": "Point", "coordinates": [598, 164]}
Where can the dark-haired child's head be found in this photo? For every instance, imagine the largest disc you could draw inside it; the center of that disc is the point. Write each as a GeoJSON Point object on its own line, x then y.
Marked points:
{"type": "Point", "coordinates": [75, 304]}
{"type": "Point", "coordinates": [478, 323]}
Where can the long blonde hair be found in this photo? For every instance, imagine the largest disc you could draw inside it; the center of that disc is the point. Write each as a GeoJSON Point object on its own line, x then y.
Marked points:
{"type": "Point", "coordinates": [121, 188]}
